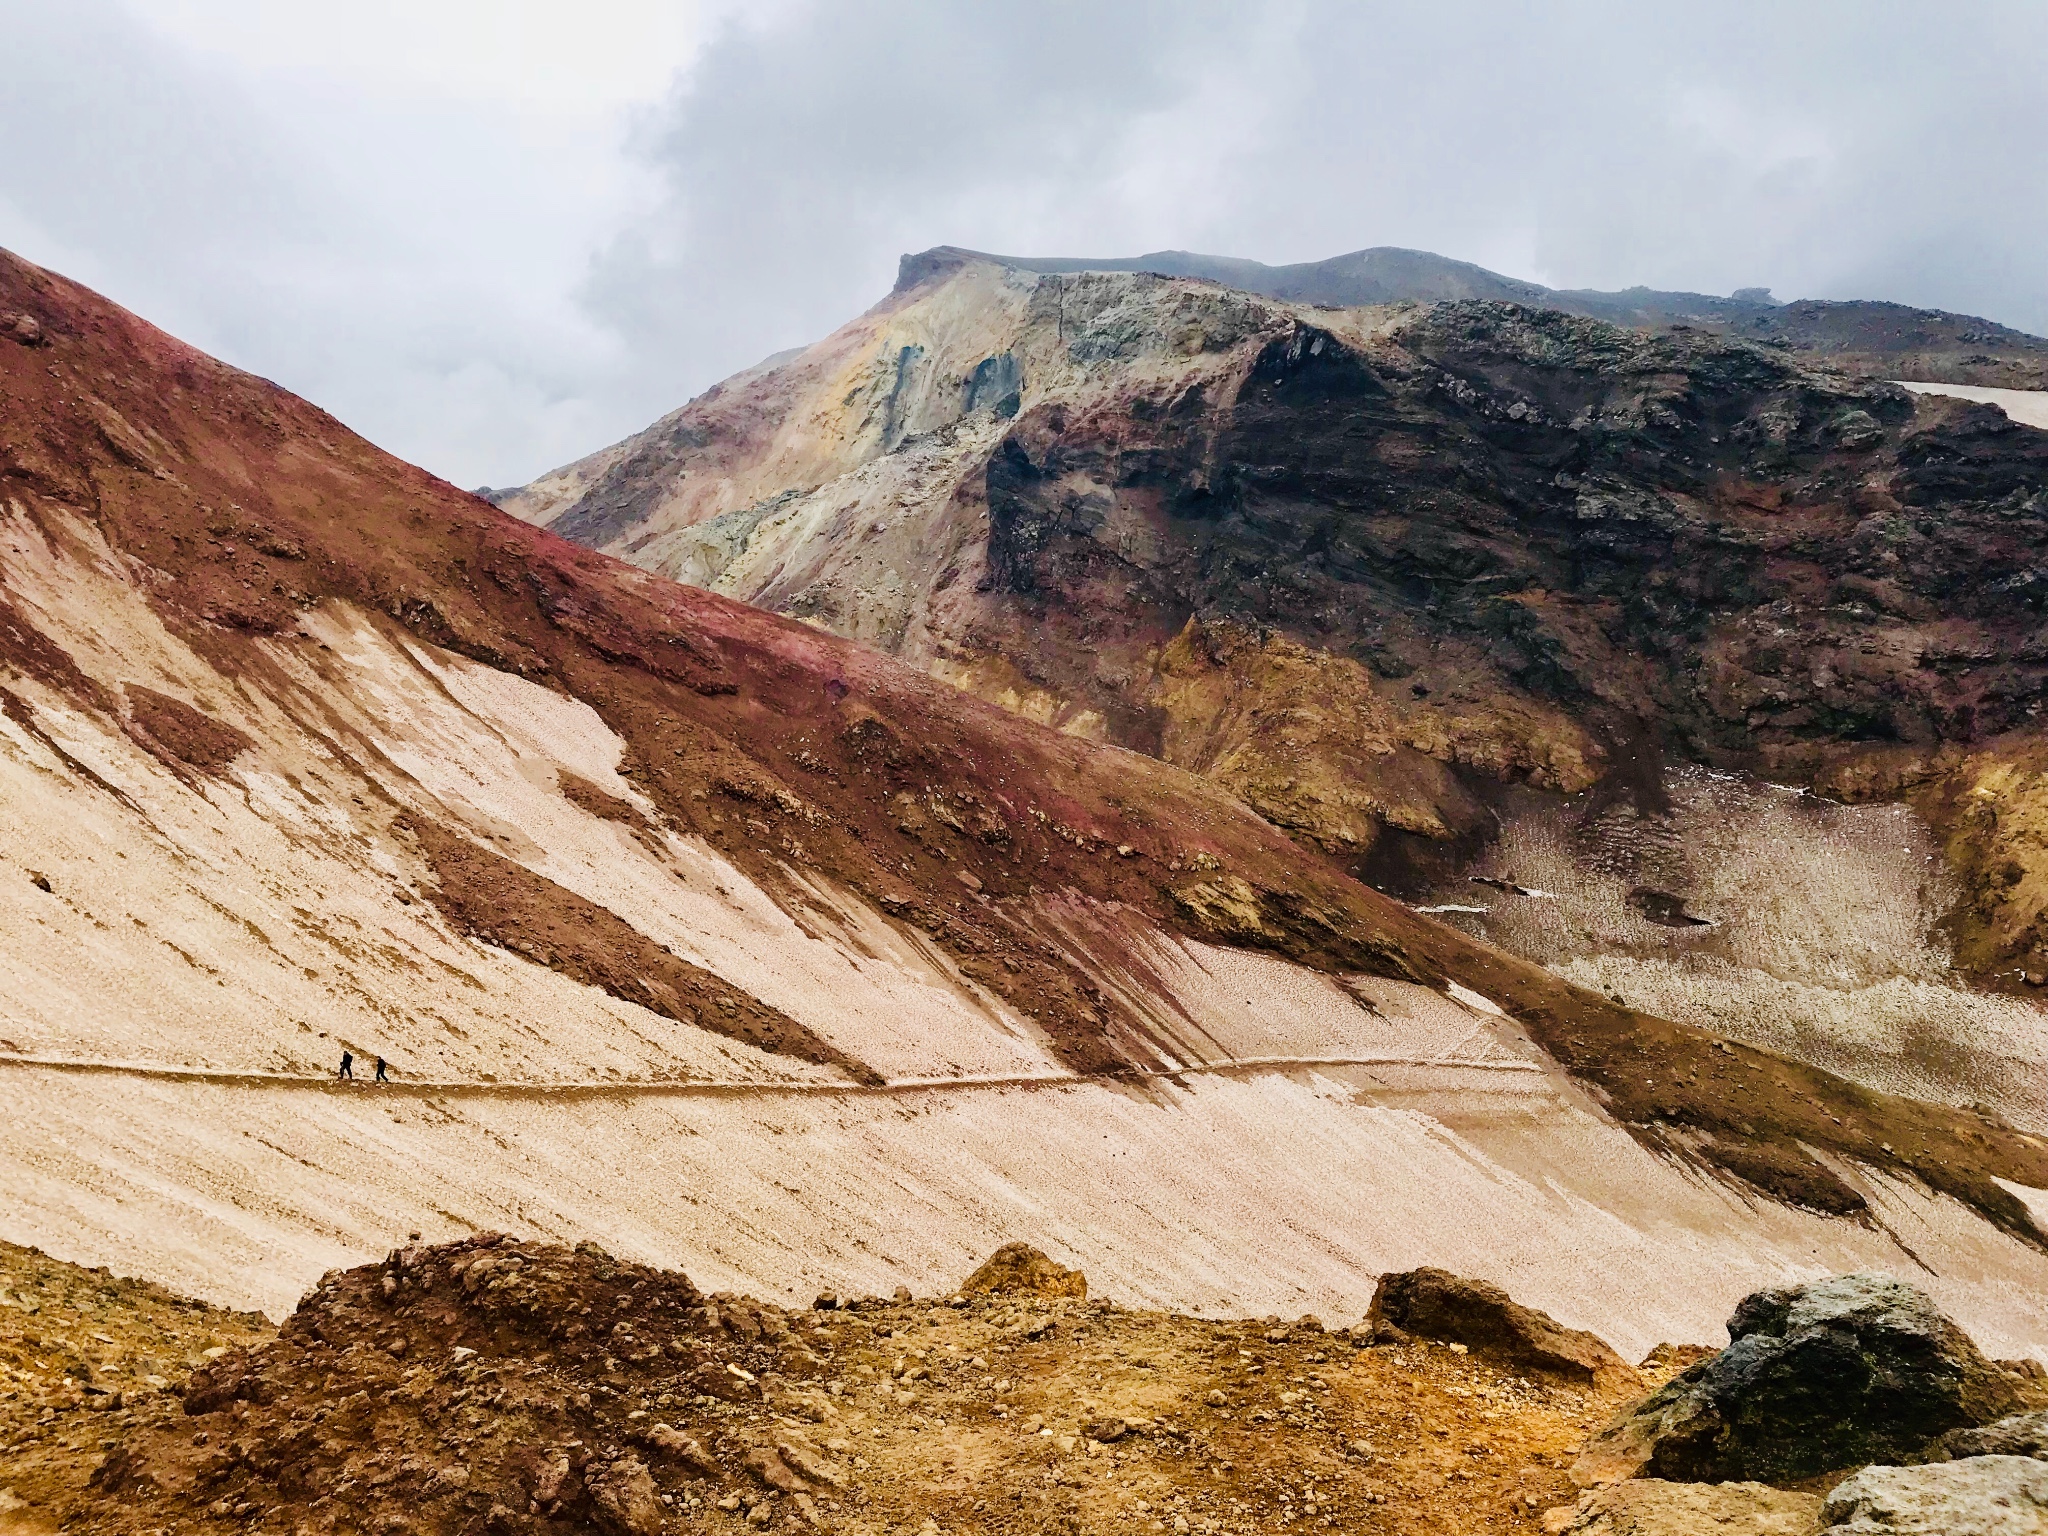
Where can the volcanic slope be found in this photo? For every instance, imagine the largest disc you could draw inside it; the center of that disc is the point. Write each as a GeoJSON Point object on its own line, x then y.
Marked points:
{"type": "Point", "coordinates": [730, 943]}
{"type": "Point", "coordinates": [1403, 578]}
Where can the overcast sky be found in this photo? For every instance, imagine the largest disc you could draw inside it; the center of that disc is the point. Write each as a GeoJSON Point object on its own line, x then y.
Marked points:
{"type": "Point", "coordinates": [494, 234]}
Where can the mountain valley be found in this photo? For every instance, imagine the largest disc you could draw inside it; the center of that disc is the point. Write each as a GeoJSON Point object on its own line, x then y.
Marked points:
{"type": "Point", "coordinates": [1248, 797]}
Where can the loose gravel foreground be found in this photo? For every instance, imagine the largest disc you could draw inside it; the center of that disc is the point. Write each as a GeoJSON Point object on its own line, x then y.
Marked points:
{"type": "Point", "coordinates": [494, 1386]}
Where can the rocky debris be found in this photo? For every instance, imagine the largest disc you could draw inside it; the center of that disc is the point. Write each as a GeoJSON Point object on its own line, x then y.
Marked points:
{"type": "Point", "coordinates": [807, 1463]}
{"type": "Point", "coordinates": [528, 1401]}
{"type": "Point", "coordinates": [87, 1360]}
{"type": "Point", "coordinates": [480, 1374]}
{"type": "Point", "coordinates": [1651, 1507]}
{"type": "Point", "coordinates": [22, 327]}
{"type": "Point", "coordinates": [1435, 1304]}
{"type": "Point", "coordinates": [1855, 1369]}
{"type": "Point", "coordinates": [765, 1465]}
{"type": "Point", "coordinates": [1978, 1496]}
{"type": "Point", "coordinates": [1018, 1269]}
{"type": "Point", "coordinates": [2023, 1434]}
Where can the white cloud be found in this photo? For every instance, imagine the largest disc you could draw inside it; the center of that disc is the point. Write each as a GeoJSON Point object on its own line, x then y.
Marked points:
{"type": "Point", "coordinates": [493, 234]}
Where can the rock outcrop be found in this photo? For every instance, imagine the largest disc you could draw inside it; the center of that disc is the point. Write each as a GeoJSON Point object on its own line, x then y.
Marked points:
{"type": "Point", "coordinates": [1651, 1507]}
{"type": "Point", "coordinates": [1370, 567]}
{"type": "Point", "coordinates": [1435, 1304]}
{"type": "Point", "coordinates": [1018, 1269]}
{"type": "Point", "coordinates": [1881, 340]}
{"type": "Point", "coordinates": [1979, 1496]}
{"type": "Point", "coordinates": [1815, 1378]}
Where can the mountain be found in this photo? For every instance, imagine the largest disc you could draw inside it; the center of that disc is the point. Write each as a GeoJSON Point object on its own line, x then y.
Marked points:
{"type": "Point", "coordinates": [1878, 340]}
{"type": "Point", "coordinates": [716, 939]}
{"type": "Point", "coordinates": [1466, 591]}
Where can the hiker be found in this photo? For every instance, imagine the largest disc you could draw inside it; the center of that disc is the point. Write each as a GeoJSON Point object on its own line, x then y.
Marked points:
{"type": "Point", "coordinates": [348, 1067]}
{"type": "Point", "coordinates": [380, 1071]}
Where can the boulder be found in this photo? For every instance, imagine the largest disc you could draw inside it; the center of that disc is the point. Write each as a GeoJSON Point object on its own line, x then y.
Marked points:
{"type": "Point", "coordinates": [686, 1449]}
{"type": "Point", "coordinates": [766, 1466]}
{"type": "Point", "coordinates": [1648, 1507]}
{"type": "Point", "coordinates": [1018, 1269]}
{"type": "Point", "coordinates": [1675, 1357]}
{"type": "Point", "coordinates": [1435, 1304]}
{"type": "Point", "coordinates": [1978, 1496]}
{"type": "Point", "coordinates": [2024, 1434]}
{"type": "Point", "coordinates": [808, 1463]}
{"type": "Point", "coordinates": [623, 1495]}
{"type": "Point", "coordinates": [1841, 1373]}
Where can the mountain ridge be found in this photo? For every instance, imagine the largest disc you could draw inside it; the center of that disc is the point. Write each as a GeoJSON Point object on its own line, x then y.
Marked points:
{"type": "Point", "coordinates": [1875, 337]}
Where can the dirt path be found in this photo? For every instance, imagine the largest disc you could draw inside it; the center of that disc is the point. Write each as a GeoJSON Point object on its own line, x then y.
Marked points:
{"type": "Point", "coordinates": [411, 1088]}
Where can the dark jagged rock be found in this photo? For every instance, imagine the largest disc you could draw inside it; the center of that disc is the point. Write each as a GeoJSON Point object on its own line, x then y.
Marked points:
{"type": "Point", "coordinates": [1435, 1304]}
{"type": "Point", "coordinates": [1856, 1369]}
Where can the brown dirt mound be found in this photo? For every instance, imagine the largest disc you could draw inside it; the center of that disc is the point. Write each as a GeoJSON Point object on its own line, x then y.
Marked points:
{"type": "Point", "coordinates": [1018, 1269]}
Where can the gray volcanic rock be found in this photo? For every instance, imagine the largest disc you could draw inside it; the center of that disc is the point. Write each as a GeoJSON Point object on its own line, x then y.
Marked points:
{"type": "Point", "coordinates": [1980, 1496]}
{"type": "Point", "coordinates": [2024, 1434]}
{"type": "Point", "coordinates": [1435, 1304]}
{"type": "Point", "coordinates": [1859, 1368]}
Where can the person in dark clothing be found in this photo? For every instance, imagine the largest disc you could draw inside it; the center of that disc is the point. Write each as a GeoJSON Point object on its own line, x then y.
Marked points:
{"type": "Point", "coordinates": [380, 1071]}
{"type": "Point", "coordinates": [348, 1067]}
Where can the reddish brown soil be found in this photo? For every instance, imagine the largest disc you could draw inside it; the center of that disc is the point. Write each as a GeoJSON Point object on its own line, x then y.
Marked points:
{"type": "Point", "coordinates": [787, 747]}
{"type": "Point", "coordinates": [584, 795]}
{"type": "Point", "coordinates": [487, 896]}
{"type": "Point", "coordinates": [178, 734]}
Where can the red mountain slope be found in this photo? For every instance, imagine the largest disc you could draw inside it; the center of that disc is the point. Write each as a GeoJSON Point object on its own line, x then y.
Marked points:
{"type": "Point", "coordinates": [236, 511]}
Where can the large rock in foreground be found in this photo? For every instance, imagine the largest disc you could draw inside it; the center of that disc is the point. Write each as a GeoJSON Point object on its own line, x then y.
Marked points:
{"type": "Point", "coordinates": [1435, 1304]}
{"type": "Point", "coordinates": [1980, 1496]}
{"type": "Point", "coordinates": [1844, 1372]}
{"type": "Point", "coordinates": [1647, 1507]}
{"type": "Point", "coordinates": [1020, 1269]}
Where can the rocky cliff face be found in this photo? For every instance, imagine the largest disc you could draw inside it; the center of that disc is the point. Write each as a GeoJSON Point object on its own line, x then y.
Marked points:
{"type": "Point", "coordinates": [1365, 567]}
